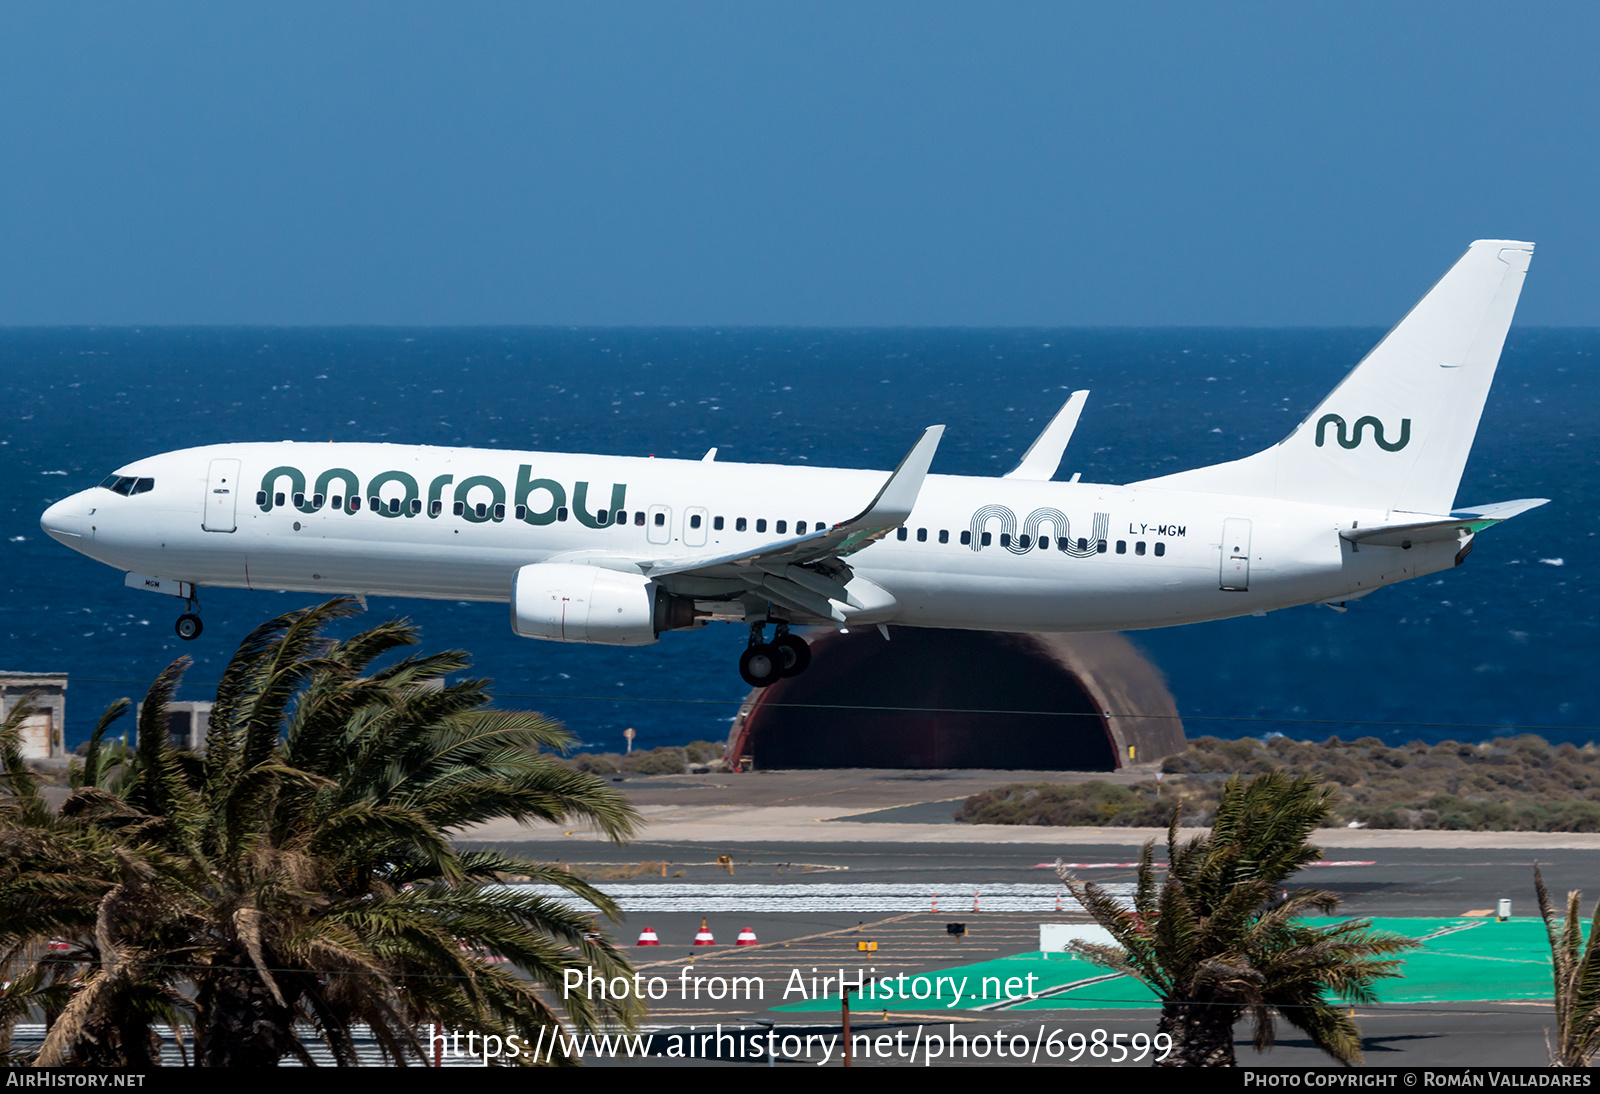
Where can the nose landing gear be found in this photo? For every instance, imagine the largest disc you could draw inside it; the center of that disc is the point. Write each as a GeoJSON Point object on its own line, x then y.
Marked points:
{"type": "Point", "coordinates": [762, 664]}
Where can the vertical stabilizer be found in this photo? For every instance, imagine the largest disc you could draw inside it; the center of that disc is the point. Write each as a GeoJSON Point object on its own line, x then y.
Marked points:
{"type": "Point", "coordinates": [1396, 432]}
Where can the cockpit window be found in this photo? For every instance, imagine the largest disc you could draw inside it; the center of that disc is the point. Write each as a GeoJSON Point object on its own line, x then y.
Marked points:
{"type": "Point", "coordinates": [128, 484]}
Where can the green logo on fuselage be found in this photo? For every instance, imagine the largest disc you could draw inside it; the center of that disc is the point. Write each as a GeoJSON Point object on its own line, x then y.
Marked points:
{"type": "Point", "coordinates": [477, 499]}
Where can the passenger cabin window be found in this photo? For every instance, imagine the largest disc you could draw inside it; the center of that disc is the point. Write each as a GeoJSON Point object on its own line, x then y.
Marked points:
{"type": "Point", "coordinates": [694, 521]}
{"type": "Point", "coordinates": [761, 524]}
{"type": "Point", "coordinates": [435, 507]}
{"type": "Point", "coordinates": [261, 495]}
{"type": "Point", "coordinates": [638, 519]}
{"type": "Point", "coordinates": [1005, 538]}
{"type": "Point", "coordinates": [661, 520]}
{"type": "Point", "coordinates": [499, 512]}
{"type": "Point", "coordinates": [299, 501]}
{"type": "Point", "coordinates": [781, 527]}
{"type": "Point", "coordinates": [522, 512]}
{"type": "Point", "coordinates": [922, 535]}
{"type": "Point", "coordinates": [985, 541]}
{"type": "Point", "coordinates": [1138, 548]}
{"type": "Point", "coordinates": [394, 507]}
{"type": "Point", "coordinates": [481, 510]}
{"type": "Point", "coordinates": [1122, 546]}
{"type": "Point", "coordinates": [944, 535]}
{"type": "Point", "coordinates": [374, 500]}
{"type": "Point", "coordinates": [355, 505]}
{"type": "Point", "coordinates": [800, 528]}
{"type": "Point", "coordinates": [317, 500]}
{"type": "Point", "coordinates": [277, 499]}
{"type": "Point", "coordinates": [460, 508]}
{"type": "Point", "coordinates": [416, 506]}
{"type": "Point", "coordinates": [1100, 546]}
{"type": "Point", "coordinates": [1161, 548]}
{"type": "Point", "coordinates": [716, 523]}
{"type": "Point", "coordinates": [739, 525]}
{"type": "Point", "coordinates": [338, 501]}
{"type": "Point", "coordinates": [900, 533]}
{"type": "Point", "coordinates": [966, 539]}
{"type": "Point", "coordinates": [1024, 542]}
{"type": "Point", "coordinates": [602, 517]}
{"type": "Point", "coordinates": [561, 514]}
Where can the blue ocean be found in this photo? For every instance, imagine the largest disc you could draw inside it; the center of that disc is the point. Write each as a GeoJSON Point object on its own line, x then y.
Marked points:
{"type": "Point", "coordinates": [1501, 644]}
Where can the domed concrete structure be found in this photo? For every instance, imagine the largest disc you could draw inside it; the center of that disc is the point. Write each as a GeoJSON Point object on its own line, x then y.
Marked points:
{"type": "Point", "coordinates": [938, 699]}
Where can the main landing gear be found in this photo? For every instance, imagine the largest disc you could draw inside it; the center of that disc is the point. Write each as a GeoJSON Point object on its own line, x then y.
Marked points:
{"type": "Point", "coordinates": [188, 625]}
{"type": "Point", "coordinates": [765, 663]}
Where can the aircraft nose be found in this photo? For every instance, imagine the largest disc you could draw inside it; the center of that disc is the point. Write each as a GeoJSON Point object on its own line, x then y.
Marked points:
{"type": "Point", "coordinates": [63, 521]}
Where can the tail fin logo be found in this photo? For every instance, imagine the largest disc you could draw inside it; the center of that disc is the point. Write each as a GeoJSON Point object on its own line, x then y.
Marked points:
{"type": "Point", "coordinates": [1355, 439]}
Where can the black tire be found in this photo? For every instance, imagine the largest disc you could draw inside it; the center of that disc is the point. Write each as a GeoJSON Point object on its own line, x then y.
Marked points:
{"type": "Point", "coordinates": [188, 626]}
{"type": "Point", "coordinates": [761, 666]}
{"type": "Point", "coordinates": [795, 651]}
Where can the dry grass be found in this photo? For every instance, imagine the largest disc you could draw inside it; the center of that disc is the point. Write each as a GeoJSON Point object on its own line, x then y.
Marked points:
{"type": "Point", "coordinates": [1518, 784]}
{"type": "Point", "coordinates": [667, 760]}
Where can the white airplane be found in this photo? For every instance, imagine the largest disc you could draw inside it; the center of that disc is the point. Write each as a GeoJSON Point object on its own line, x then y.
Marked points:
{"type": "Point", "coordinates": [616, 550]}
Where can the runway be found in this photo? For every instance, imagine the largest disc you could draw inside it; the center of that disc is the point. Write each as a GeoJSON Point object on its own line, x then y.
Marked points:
{"type": "Point", "coordinates": [899, 883]}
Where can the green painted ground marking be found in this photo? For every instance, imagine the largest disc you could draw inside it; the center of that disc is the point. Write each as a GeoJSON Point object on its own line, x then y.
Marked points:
{"type": "Point", "coordinates": [1461, 960]}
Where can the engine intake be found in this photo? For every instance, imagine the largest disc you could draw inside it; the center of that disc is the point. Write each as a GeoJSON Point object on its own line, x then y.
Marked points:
{"type": "Point", "coordinates": [570, 602]}
{"type": "Point", "coordinates": [564, 602]}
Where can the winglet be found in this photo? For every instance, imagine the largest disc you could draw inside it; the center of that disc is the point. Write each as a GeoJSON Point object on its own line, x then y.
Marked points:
{"type": "Point", "coordinates": [899, 495]}
{"type": "Point", "coordinates": [889, 510]}
{"type": "Point", "coordinates": [1043, 457]}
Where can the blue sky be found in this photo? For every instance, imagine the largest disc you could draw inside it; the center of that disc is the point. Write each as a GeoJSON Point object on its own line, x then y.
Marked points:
{"type": "Point", "coordinates": [858, 164]}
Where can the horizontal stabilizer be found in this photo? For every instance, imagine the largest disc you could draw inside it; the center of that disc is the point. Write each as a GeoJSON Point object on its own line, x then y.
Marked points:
{"type": "Point", "coordinates": [1043, 458]}
{"type": "Point", "coordinates": [1462, 521]}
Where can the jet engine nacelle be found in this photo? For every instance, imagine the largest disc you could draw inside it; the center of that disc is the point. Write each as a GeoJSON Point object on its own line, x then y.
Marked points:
{"type": "Point", "coordinates": [566, 602]}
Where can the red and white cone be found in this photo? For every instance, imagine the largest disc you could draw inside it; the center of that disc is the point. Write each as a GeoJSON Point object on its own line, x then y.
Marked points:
{"type": "Point", "coordinates": [747, 937]}
{"type": "Point", "coordinates": [974, 900]}
{"type": "Point", "coordinates": [704, 937]}
{"type": "Point", "coordinates": [936, 902]}
{"type": "Point", "coordinates": [647, 937]}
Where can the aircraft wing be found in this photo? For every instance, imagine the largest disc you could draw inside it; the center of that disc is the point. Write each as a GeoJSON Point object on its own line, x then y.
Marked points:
{"type": "Point", "coordinates": [1441, 528]}
{"type": "Point", "coordinates": [778, 570]}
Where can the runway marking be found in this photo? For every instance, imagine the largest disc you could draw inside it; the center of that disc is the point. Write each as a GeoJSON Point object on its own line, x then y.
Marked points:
{"type": "Point", "coordinates": [721, 898]}
{"type": "Point", "coordinates": [1163, 865]}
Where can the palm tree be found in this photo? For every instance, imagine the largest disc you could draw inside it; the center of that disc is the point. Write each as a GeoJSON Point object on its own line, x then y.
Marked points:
{"type": "Point", "coordinates": [1577, 978]}
{"type": "Point", "coordinates": [303, 870]}
{"type": "Point", "coordinates": [1216, 940]}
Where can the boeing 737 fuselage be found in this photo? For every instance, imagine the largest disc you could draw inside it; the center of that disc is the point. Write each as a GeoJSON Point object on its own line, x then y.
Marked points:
{"type": "Point", "coordinates": [615, 550]}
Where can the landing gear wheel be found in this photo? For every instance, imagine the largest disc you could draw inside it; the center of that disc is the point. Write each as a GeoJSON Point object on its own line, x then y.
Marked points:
{"type": "Point", "coordinates": [188, 626]}
{"type": "Point", "coordinates": [761, 665]}
{"type": "Point", "coordinates": [794, 652]}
